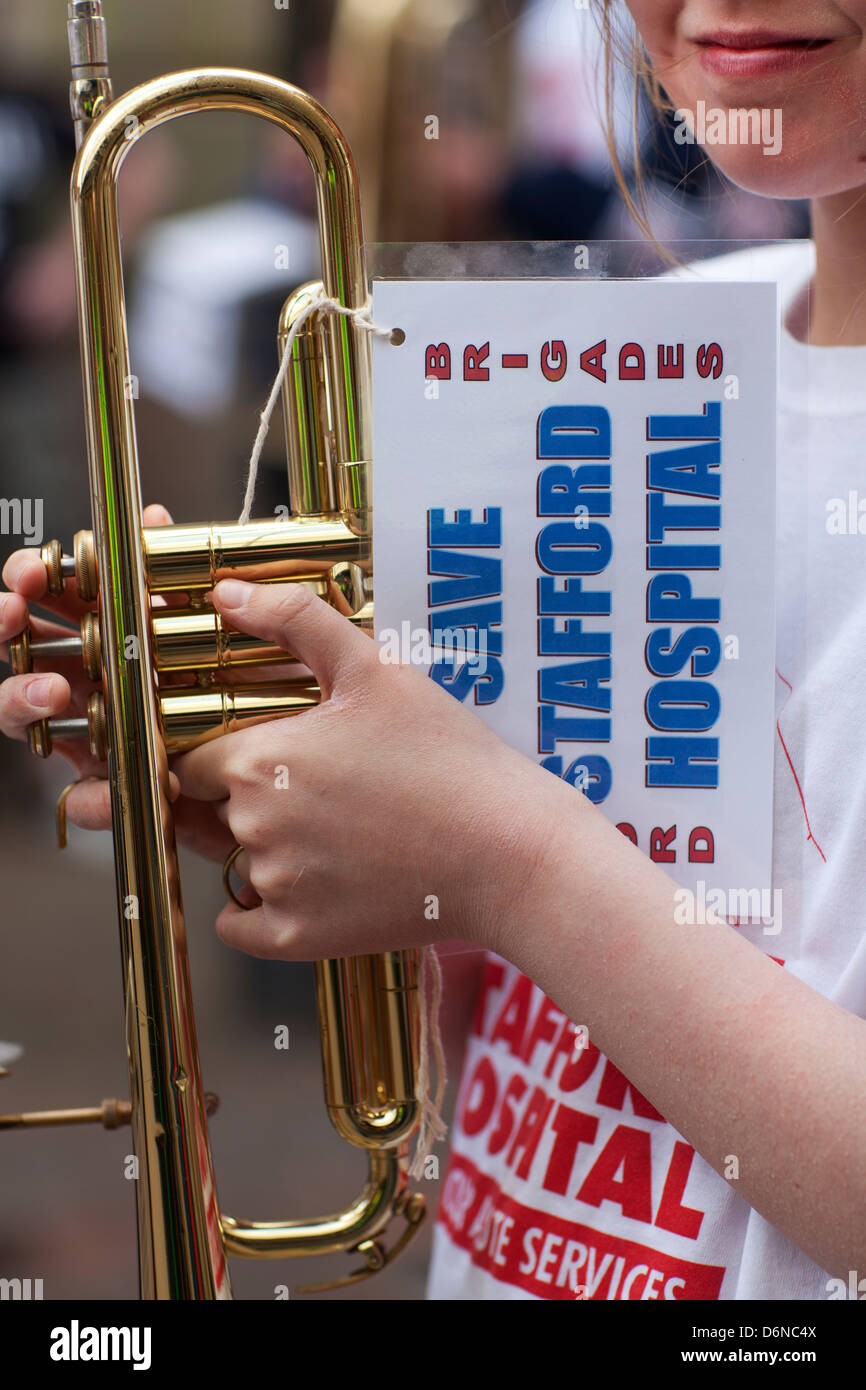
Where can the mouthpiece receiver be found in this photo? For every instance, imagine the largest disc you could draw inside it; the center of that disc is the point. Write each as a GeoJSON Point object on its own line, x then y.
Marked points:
{"type": "Point", "coordinates": [90, 90]}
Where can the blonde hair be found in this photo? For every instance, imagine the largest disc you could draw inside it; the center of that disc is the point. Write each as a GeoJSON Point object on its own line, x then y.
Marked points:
{"type": "Point", "coordinates": [623, 49]}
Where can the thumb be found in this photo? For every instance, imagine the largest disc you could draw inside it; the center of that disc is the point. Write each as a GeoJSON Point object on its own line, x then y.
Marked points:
{"type": "Point", "coordinates": [156, 515]}
{"type": "Point", "coordinates": [298, 621]}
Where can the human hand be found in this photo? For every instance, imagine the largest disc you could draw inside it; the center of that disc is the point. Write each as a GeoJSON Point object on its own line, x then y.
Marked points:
{"type": "Point", "coordinates": [64, 690]}
{"type": "Point", "coordinates": [387, 817]}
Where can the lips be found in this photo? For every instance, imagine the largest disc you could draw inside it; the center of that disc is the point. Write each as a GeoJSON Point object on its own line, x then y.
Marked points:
{"type": "Point", "coordinates": [759, 53]}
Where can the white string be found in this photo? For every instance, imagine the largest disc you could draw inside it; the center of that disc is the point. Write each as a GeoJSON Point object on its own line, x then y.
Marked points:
{"type": "Point", "coordinates": [432, 1127]}
{"type": "Point", "coordinates": [322, 301]}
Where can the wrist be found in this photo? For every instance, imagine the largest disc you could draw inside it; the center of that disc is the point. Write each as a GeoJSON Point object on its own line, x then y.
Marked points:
{"type": "Point", "coordinates": [514, 871]}
{"type": "Point", "coordinates": [577, 898]}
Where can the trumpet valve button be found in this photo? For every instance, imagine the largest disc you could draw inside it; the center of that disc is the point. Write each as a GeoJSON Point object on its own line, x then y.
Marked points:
{"type": "Point", "coordinates": [52, 558]}
{"type": "Point", "coordinates": [80, 566]}
{"type": "Point", "coordinates": [20, 656]}
{"type": "Point", "coordinates": [86, 575]}
{"type": "Point", "coordinates": [39, 738]}
{"type": "Point", "coordinates": [91, 647]}
{"type": "Point", "coordinates": [96, 726]}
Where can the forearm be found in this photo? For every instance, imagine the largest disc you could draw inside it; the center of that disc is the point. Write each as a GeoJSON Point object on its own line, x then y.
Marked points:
{"type": "Point", "coordinates": [741, 1057]}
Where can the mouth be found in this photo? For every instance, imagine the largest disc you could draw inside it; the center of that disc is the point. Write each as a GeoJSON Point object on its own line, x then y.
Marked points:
{"type": "Point", "coordinates": [758, 52]}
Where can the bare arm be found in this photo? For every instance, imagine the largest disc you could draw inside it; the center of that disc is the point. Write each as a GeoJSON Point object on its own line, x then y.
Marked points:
{"type": "Point", "coordinates": [738, 1054]}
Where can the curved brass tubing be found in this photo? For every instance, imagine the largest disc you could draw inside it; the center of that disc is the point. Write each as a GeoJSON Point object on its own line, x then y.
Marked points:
{"type": "Point", "coordinates": [183, 1240]}
{"type": "Point", "coordinates": [355, 1228]}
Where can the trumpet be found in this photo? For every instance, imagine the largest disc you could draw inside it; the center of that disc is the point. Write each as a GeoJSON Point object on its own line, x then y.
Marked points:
{"type": "Point", "coordinates": [368, 1005]}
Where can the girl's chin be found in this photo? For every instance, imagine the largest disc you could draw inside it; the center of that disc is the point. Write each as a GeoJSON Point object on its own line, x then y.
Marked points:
{"type": "Point", "coordinates": [785, 176]}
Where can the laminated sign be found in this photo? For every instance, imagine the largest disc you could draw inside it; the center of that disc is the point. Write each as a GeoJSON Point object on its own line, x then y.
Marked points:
{"type": "Point", "coordinates": [574, 517]}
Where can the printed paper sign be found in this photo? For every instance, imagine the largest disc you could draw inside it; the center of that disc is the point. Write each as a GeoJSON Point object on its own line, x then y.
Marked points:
{"type": "Point", "coordinates": [574, 517]}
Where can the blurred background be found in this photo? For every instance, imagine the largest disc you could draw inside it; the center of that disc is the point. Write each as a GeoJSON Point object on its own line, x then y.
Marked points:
{"type": "Point", "coordinates": [218, 227]}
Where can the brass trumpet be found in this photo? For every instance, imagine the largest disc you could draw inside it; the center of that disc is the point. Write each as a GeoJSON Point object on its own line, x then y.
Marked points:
{"type": "Point", "coordinates": [368, 1004]}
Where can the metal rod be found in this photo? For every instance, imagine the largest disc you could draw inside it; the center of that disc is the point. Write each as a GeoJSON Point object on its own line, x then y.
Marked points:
{"type": "Point", "coordinates": [111, 1113]}
{"type": "Point", "coordinates": [68, 728]}
{"type": "Point", "coordinates": [55, 646]}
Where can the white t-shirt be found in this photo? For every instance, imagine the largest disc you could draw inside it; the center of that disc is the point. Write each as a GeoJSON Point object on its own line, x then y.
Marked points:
{"type": "Point", "coordinates": [564, 1181]}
